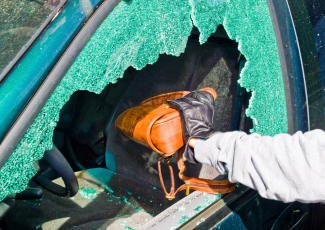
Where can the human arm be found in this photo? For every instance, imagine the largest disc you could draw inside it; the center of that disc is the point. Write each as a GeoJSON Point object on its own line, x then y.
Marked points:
{"type": "Point", "coordinates": [284, 167]}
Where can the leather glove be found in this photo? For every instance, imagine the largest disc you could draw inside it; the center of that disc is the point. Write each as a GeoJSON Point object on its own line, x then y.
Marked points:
{"type": "Point", "coordinates": [197, 112]}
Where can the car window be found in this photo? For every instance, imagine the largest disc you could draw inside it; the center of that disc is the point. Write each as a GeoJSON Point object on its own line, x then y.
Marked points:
{"type": "Point", "coordinates": [316, 13]}
{"type": "Point", "coordinates": [19, 20]}
{"type": "Point", "coordinates": [308, 17]}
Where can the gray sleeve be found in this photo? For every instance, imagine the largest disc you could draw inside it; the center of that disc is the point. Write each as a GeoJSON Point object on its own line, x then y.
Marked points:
{"type": "Point", "coordinates": [284, 167]}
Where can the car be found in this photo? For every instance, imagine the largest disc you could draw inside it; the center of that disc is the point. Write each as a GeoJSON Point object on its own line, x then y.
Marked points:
{"type": "Point", "coordinates": [69, 68]}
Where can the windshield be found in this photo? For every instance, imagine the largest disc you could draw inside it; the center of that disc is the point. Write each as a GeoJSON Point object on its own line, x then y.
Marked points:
{"type": "Point", "coordinates": [20, 19]}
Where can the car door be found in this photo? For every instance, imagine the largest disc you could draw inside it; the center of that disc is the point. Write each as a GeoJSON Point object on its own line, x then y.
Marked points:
{"type": "Point", "coordinates": [64, 36]}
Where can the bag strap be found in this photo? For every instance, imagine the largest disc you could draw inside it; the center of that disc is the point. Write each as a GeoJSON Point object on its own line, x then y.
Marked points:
{"type": "Point", "coordinates": [171, 194]}
{"type": "Point", "coordinates": [203, 185]}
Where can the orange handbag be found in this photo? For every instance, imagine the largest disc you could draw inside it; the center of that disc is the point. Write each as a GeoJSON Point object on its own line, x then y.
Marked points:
{"type": "Point", "coordinates": [155, 125]}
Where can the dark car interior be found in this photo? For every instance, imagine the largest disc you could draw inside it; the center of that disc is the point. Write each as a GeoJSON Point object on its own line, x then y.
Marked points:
{"type": "Point", "coordinates": [118, 178]}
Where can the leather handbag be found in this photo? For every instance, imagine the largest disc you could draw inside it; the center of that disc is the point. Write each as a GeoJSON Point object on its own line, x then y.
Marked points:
{"type": "Point", "coordinates": [157, 126]}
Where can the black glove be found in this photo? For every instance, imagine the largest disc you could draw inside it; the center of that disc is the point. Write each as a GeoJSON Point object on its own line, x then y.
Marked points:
{"type": "Point", "coordinates": [197, 113]}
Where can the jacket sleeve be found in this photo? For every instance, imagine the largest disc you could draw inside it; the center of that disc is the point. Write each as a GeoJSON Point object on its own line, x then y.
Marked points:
{"type": "Point", "coordinates": [284, 167]}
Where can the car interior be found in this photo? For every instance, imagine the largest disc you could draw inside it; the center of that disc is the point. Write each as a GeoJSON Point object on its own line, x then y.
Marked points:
{"type": "Point", "coordinates": [119, 186]}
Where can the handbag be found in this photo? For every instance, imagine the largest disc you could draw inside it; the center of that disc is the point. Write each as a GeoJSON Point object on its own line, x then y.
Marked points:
{"type": "Point", "coordinates": [157, 126]}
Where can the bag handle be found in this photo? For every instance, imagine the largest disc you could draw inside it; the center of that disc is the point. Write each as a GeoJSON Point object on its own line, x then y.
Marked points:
{"type": "Point", "coordinates": [198, 184]}
{"type": "Point", "coordinates": [171, 194]}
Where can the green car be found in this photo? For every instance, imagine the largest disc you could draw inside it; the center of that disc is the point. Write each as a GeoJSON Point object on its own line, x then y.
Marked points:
{"type": "Point", "coordinates": [69, 68]}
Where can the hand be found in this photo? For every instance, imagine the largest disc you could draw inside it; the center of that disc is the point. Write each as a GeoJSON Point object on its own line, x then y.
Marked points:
{"type": "Point", "coordinates": [192, 142]}
{"type": "Point", "coordinates": [197, 111]}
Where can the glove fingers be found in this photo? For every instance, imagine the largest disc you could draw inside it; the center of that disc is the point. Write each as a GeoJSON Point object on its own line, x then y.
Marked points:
{"type": "Point", "coordinates": [195, 98]}
{"type": "Point", "coordinates": [203, 96]}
